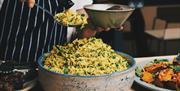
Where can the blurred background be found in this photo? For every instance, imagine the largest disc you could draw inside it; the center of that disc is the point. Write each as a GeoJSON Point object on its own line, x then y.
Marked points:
{"type": "Point", "coordinates": [149, 13]}
{"type": "Point", "coordinates": [152, 30]}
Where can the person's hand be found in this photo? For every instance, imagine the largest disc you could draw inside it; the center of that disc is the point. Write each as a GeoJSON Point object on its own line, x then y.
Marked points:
{"type": "Point", "coordinates": [101, 29]}
{"type": "Point", "coordinates": [29, 2]}
{"type": "Point", "coordinates": [90, 31]}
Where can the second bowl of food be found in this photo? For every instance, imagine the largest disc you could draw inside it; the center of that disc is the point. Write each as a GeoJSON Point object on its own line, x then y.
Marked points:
{"type": "Point", "coordinates": [108, 15]}
{"type": "Point", "coordinates": [86, 65]}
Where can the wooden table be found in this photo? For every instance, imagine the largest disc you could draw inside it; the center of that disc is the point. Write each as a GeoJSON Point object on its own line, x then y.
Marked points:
{"type": "Point", "coordinates": [135, 86]}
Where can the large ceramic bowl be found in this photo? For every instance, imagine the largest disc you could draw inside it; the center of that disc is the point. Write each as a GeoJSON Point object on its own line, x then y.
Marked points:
{"type": "Point", "coordinates": [102, 17]}
{"type": "Point", "coordinates": [117, 81]}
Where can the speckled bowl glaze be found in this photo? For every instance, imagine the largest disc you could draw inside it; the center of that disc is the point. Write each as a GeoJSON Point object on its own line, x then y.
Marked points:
{"type": "Point", "coordinates": [117, 81]}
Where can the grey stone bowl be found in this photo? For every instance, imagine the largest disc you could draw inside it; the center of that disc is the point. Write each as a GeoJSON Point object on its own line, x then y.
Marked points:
{"type": "Point", "coordinates": [102, 17]}
{"type": "Point", "coordinates": [117, 81]}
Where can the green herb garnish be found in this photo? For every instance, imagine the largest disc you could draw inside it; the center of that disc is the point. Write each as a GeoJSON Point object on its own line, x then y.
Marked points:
{"type": "Point", "coordinates": [160, 60]}
{"type": "Point", "coordinates": [138, 71]}
{"type": "Point", "coordinates": [175, 68]}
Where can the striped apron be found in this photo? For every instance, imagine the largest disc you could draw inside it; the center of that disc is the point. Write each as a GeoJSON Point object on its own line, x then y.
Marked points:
{"type": "Point", "coordinates": [25, 34]}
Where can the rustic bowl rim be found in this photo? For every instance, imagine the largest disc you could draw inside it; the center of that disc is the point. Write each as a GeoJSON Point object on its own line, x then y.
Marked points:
{"type": "Point", "coordinates": [112, 11]}
{"type": "Point", "coordinates": [132, 67]}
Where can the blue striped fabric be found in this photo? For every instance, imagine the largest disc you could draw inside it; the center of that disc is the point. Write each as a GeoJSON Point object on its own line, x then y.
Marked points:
{"type": "Point", "coordinates": [26, 33]}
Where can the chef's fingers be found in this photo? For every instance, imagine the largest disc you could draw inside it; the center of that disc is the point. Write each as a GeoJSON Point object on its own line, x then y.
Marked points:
{"type": "Point", "coordinates": [100, 29]}
{"type": "Point", "coordinates": [31, 3]}
{"type": "Point", "coordinates": [120, 28]}
{"type": "Point", "coordinates": [107, 29]}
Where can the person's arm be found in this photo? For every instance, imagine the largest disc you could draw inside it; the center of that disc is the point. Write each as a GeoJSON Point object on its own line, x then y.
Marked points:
{"type": "Point", "coordinates": [90, 30]}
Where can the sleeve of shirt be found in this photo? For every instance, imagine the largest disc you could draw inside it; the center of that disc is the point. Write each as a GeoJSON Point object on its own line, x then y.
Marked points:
{"type": "Point", "coordinates": [1, 2]}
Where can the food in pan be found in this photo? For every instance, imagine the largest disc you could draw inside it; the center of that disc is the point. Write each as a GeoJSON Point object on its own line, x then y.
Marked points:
{"type": "Point", "coordinates": [15, 76]}
{"type": "Point", "coordinates": [162, 73]}
{"type": "Point", "coordinates": [85, 57]}
{"type": "Point", "coordinates": [71, 18]}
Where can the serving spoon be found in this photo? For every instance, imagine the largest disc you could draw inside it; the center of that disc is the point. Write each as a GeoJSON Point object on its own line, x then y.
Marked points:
{"type": "Point", "coordinates": [65, 4]}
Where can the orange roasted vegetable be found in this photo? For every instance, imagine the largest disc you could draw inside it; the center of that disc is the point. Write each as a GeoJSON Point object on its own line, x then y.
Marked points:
{"type": "Point", "coordinates": [147, 77]}
{"type": "Point", "coordinates": [176, 78]}
{"type": "Point", "coordinates": [166, 75]}
{"type": "Point", "coordinates": [154, 67]}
